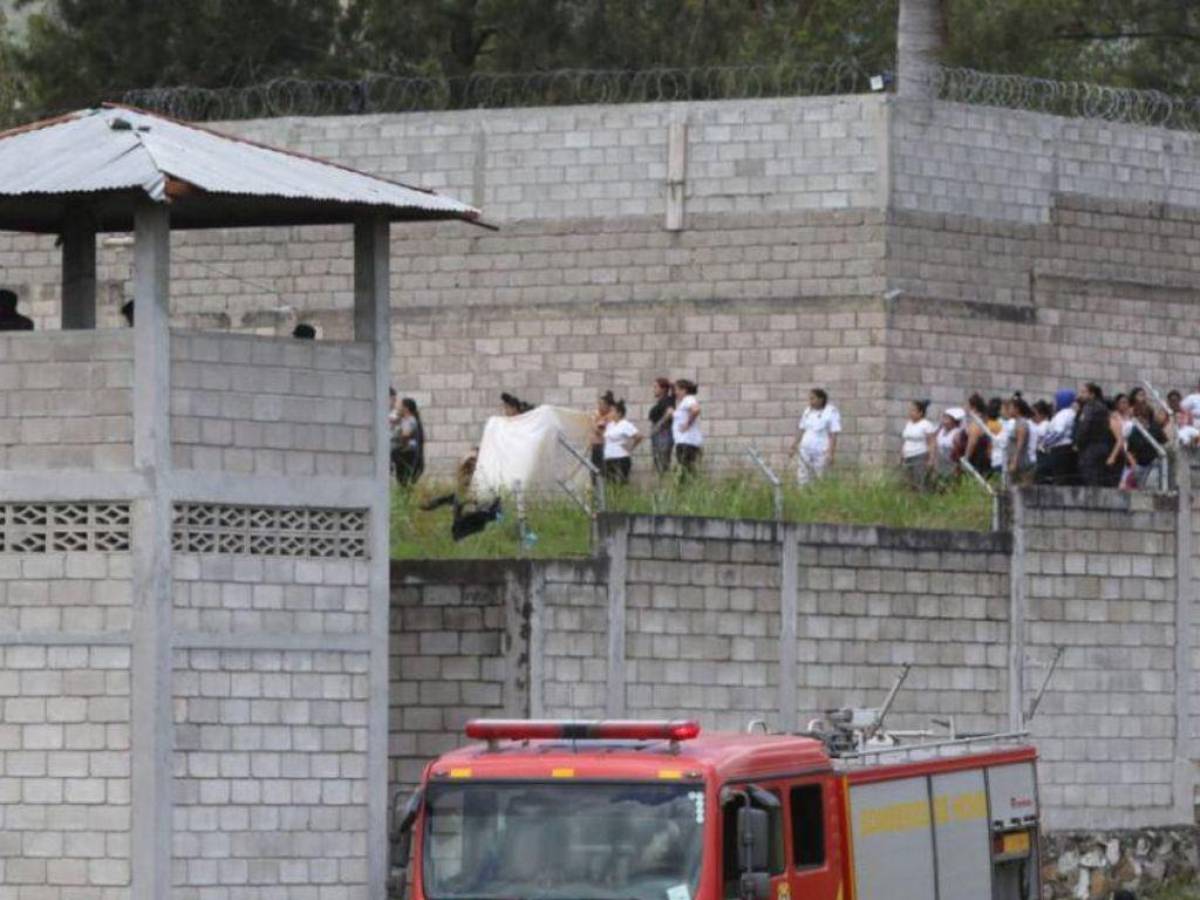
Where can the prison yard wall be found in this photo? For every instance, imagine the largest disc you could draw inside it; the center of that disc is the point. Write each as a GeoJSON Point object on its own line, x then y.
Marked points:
{"type": "Point", "coordinates": [883, 247]}
{"type": "Point", "coordinates": [736, 621]}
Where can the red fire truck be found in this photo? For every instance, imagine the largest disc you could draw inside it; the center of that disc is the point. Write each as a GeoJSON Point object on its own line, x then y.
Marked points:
{"type": "Point", "coordinates": [632, 810]}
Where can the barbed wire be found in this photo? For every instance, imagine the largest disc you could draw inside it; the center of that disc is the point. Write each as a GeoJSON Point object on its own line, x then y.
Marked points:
{"type": "Point", "coordinates": [1075, 99]}
{"type": "Point", "coordinates": [390, 94]}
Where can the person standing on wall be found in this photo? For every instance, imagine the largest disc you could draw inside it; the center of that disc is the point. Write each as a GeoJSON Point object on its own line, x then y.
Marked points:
{"type": "Point", "coordinates": [816, 443]}
{"type": "Point", "coordinates": [408, 444]}
{"type": "Point", "coordinates": [919, 450]}
{"type": "Point", "coordinates": [600, 419]}
{"type": "Point", "coordinates": [949, 442]}
{"type": "Point", "coordinates": [621, 438]}
{"type": "Point", "coordinates": [661, 415]}
{"type": "Point", "coordinates": [978, 452]}
{"type": "Point", "coordinates": [1059, 463]}
{"type": "Point", "coordinates": [685, 426]}
{"type": "Point", "coordinates": [1098, 440]}
{"type": "Point", "coordinates": [1020, 458]}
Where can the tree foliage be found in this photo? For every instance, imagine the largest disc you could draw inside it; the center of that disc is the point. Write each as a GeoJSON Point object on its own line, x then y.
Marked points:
{"type": "Point", "coordinates": [77, 52]}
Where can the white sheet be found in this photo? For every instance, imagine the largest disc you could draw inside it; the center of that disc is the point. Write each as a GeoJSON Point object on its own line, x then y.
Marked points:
{"type": "Point", "coordinates": [524, 449]}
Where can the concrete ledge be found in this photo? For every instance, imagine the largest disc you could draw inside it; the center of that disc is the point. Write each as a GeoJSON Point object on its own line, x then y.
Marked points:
{"type": "Point", "coordinates": [1106, 499]}
{"type": "Point", "coordinates": [700, 528]}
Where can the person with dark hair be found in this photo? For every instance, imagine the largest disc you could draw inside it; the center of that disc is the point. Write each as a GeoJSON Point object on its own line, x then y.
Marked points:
{"type": "Point", "coordinates": [514, 406]}
{"type": "Point", "coordinates": [919, 450]}
{"type": "Point", "coordinates": [600, 419]}
{"type": "Point", "coordinates": [685, 426]}
{"type": "Point", "coordinates": [1021, 452]}
{"type": "Point", "coordinates": [10, 319]}
{"type": "Point", "coordinates": [1000, 430]}
{"type": "Point", "coordinates": [1143, 456]}
{"type": "Point", "coordinates": [1186, 432]}
{"type": "Point", "coordinates": [816, 441]}
{"type": "Point", "coordinates": [978, 451]}
{"type": "Point", "coordinates": [1098, 440]}
{"type": "Point", "coordinates": [470, 516]}
{"type": "Point", "coordinates": [304, 332]}
{"type": "Point", "coordinates": [408, 444]}
{"type": "Point", "coordinates": [1059, 462]}
{"type": "Point", "coordinates": [950, 443]}
{"type": "Point", "coordinates": [661, 442]}
{"type": "Point", "coordinates": [127, 312]}
{"type": "Point", "coordinates": [1123, 895]}
{"type": "Point", "coordinates": [621, 438]}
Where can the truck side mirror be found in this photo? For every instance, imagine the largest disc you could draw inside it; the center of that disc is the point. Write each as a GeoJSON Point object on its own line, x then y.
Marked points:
{"type": "Point", "coordinates": [403, 819]}
{"type": "Point", "coordinates": [754, 839]}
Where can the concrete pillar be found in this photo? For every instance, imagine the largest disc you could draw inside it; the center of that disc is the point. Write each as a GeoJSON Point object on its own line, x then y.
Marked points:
{"type": "Point", "coordinates": [151, 691]}
{"type": "Point", "coordinates": [1017, 602]}
{"type": "Point", "coordinates": [1184, 787]}
{"type": "Point", "coordinates": [372, 324]}
{"type": "Point", "coordinates": [617, 548]}
{"type": "Point", "coordinates": [789, 556]}
{"type": "Point", "coordinates": [921, 37]}
{"type": "Point", "coordinates": [79, 276]}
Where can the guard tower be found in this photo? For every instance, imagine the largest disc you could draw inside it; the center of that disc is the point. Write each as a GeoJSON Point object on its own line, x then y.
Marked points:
{"type": "Point", "coordinates": [193, 539]}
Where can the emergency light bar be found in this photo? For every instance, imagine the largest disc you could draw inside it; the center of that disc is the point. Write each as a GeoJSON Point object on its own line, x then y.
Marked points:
{"type": "Point", "coordinates": [552, 729]}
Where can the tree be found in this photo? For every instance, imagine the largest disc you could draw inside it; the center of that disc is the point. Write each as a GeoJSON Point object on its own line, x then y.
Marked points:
{"type": "Point", "coordinates": [79, 52]}
{"type": "Point", "coordinates": [1134, 43]}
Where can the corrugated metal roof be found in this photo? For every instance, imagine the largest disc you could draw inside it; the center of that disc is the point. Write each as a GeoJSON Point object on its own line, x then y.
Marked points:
{"type": "Point", "coordinates": [118, 149]}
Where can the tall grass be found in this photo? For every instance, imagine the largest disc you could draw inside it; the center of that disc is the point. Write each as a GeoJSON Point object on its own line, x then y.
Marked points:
{"type": "Point", "coordinates": [559, 528]}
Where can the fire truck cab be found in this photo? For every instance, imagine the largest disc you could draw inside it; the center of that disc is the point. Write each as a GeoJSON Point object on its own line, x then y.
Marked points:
{"type": "Point", "coordinates": [656, 811]}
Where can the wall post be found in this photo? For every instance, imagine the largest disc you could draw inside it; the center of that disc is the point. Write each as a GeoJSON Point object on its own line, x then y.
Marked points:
{"type": "Point", "coordinates": [372, 324]}
{"type": "Point", "coordinates": [789, 581]}
{"type": "Point", "coordinates": [616, 543]}
{"type": "Point", "coordinates": [1018, 595]}
{"type": "Point", "coordinates": [1184, 787]}
{"type": "Point", "coordinates": [151, 693]}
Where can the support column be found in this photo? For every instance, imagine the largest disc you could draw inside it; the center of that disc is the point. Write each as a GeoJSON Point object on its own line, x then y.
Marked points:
{"type": "Point", "coordinates": [1017, 600]}
{"type": "Point", "coordinates": [616, 544]}
{"type": "Point", "coordinates": [789, 605]}
{"type": "Point", "coordinates": [78, 276]}
{"type": "Point", "coordinates": [372, 324]}
{"type": "Point", "coordinates": [151, 690]}
{"type": "Point", "coordinates": [1184, 787]}
{"type": "Point", "coordinates": [537, 641]}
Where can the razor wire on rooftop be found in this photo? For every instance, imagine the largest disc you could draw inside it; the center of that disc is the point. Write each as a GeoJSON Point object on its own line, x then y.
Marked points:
{"type": "Point", "coordinates": [393, 94]}
{"type": "Point", "coordinates": [1075, 99]}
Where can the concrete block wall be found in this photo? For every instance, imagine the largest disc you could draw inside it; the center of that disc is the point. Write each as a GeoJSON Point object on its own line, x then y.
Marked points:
{"type": "Point", "coordinates": [451, 656]}
{"type": "Point", "coordinates": [65, 719]}
{"type": "Point", "coordinates": [1101, 572]}
{"type": "Point", "coordinates": [270, 779]}
{"type": "Point", "coordinates": [795, 204]}
{"type": "Point", "coordinates": [262, 406]}
{"type": "Point", "coordinates": [66, 401]}
{"type": "Point", "coordinates": [705, 618]}
{"type": "Point", "coordinates": [702, 621]}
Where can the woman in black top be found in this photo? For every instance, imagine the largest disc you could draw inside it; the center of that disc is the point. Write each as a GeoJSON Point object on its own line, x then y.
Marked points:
{"type": "Point", "coordinates": [1099, 442]}
{"type": "Point", "coordinates": [661, 441]}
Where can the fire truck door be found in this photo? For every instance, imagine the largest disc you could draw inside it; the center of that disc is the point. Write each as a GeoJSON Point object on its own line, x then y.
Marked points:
{"type": "Point", "coordinates": [815, 869]}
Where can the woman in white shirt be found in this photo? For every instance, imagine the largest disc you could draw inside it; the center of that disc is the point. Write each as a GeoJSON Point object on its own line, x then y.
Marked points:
{"type": "Point", "coordinates": [620, 438]}
{"type": "Point", "coordinates": [918, 452]}
{"type": "Point", "coordinates": [685, 426]}
{"type": "Point", "coordinates": [816, 443]}
{"type": "Point", "coordinates": [949, 443]}
{"type": "Point", "coordinates": [1021, 455]}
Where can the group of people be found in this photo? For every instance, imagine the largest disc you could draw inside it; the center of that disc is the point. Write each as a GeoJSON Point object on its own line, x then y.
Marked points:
{"type": "Point", "coordinates": [674, 430]}
{"type": "Point", "coordinates": [1081, 438]}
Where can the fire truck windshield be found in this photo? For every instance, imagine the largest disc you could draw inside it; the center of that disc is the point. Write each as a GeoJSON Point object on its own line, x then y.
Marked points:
{"type": "Point", "coordinates": [563, 841]}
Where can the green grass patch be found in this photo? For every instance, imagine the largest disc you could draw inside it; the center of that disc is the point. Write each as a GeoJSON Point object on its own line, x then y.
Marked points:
{"type": "Point", "coordinates": [849, 497]}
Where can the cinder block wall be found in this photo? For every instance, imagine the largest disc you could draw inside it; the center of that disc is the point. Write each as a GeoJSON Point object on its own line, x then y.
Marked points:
{"type": "Point", "coordinates": [701, 618]}
{"type": "Point", "coordinates": [1031, 251]}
